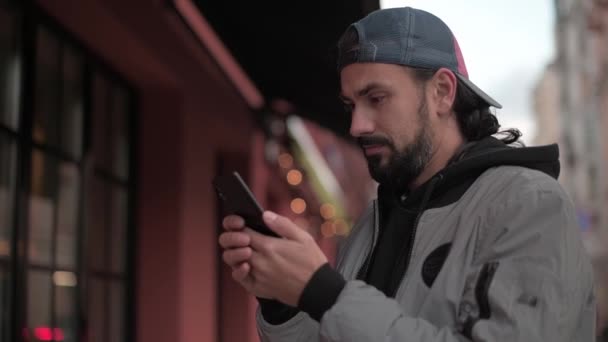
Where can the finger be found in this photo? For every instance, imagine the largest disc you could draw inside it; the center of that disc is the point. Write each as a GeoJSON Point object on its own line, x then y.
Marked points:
{"type": "Point", "coordinates": [234, 257]}
{"type": "Point", "coordinates": [260, 242]}
{"type": "Point", "coordinates": [284, 226]}
{"type": "Point", "coordinates": [234, 240]}
{"type": "Point", "coordinates": [241, 272]}
{"type": "Point", "coordinates": [233, 222]}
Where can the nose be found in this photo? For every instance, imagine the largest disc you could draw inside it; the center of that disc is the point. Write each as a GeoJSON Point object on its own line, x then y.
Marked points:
{"type": "Point", "coordinates": [360, 124]}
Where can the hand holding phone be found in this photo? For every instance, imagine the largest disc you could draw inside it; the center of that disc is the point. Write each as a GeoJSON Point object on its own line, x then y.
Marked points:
{"type": "Point", "coordinates": [239, 200]}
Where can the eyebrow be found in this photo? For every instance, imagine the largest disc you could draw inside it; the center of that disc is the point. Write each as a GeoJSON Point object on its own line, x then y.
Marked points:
{"type": "Point", "coordinates": [362, 92]}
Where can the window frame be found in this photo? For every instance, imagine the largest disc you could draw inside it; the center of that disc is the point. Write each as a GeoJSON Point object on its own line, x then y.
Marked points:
{"type": "Point", "coordinates": [31, 17]}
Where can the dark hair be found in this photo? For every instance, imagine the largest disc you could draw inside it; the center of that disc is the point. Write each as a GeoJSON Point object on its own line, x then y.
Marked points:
{"type": "Point", "coordinates": [475, 119]}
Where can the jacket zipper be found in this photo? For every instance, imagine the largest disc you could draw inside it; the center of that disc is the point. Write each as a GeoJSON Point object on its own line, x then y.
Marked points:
{"type": "Point", "coordinates": [482, 293]}
{"type": "Point", "coordinates": [482, 289]}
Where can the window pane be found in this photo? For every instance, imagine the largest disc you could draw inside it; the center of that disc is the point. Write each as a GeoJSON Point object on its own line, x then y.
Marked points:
{"type": "Point", "coordinates": [54, 200]}
{"type": "Point", "coordinates": [4, 305]}
{"type": "Point", "coordinates": [47, 121]}
{"type": "Point", "coordinates": [119, 229]}
{"type": "Point", "coordinates": [7, 191]}
{"type": "Point", "coordinates": [73, 103]}
{"type": "Point", "coordinates": [120, 132]}
{"type": "Point", "coordinates": [117, 312]}
{"type": "Point", "coordinates": [67, 216]}
{"type": "Point", "coordinates": [111, 104]}
{"type": "Point", "coordinates": [39, 304]}
{"type": "Point", "coordinates": [97, 223]}
{"type": "Point", "coordinates": [10, 68]}
{"type": "Point", "coordinates": [66, 318]}
{"type": "Point", "coordinates": [96, 327]}
{"type": "Point", "coordinates": [101, 118]}
{"type": "Point", "coordinates": [42, 209]}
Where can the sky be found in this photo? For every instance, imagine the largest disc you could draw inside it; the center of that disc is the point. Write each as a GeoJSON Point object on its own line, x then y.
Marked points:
{"type": "Point", "coordinates": [506, 47]}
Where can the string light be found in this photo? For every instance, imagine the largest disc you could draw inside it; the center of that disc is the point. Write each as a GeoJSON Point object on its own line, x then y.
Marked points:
{"type": "Point", "coordinates": [298, 205]}
{"type": "Point", "coordinates": [328, 211]}
{"type": "Point", "coordinates": [285, 160]}
{"type": "Point", "coordinates": [341, 227]}
{"type": "Point", "coordinates": [328, 229]}
{"type": "Point", "coordinates": [294, 177]}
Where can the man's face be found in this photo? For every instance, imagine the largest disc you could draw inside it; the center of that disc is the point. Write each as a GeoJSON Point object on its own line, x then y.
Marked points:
{"type": "Point", "coordinates": [390, 119]}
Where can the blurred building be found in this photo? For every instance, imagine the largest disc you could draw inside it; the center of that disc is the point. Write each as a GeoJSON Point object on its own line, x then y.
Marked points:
{"type": "Point", "coordinates": [568, 103]}
{"type": "Point", "coordinates": [114, 118]}
{"type": "Point", "coordinates": [571, 102]}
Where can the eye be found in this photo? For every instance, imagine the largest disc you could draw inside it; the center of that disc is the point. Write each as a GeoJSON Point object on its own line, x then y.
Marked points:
{"type": "Point", "coordinates": [377, 99]}
{"type": "Point", "coordinates": [348, 107]}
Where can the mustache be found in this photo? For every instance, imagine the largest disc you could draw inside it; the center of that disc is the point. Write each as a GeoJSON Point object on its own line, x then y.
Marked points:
{"type": "Point", "coordinates": [372, 140]}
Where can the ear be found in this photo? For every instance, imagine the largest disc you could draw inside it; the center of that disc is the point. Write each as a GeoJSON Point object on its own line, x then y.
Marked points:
{"type": "Point", "coordinates": [444, 90]}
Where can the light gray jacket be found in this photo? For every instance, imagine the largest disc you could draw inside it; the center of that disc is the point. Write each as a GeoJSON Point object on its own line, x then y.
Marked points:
{"type": "Point", "coordinates": [516, 271]}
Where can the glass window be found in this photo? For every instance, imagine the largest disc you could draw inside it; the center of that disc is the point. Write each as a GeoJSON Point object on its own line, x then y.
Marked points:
{"type": "Point", "coordinates": [7, 192]}
{"type": "Point", "coordinates": [66, 315]}
{"type": "Point", "coordinates": [119, 230]}
{"type": "Point", "coordinates": [97, 223]}
{"type": "Point", "coordinates": [53, 203]}
{"type": "Point", "coordinates": [101, 125]}
{"type": "Point", "coordinates": [42, 211]}
{"type": "Point", "coordinates": [10, 68]}
{"type": "Point", "coordinates": [69, 94]}
{"type": "Point", "coordinates": [47, 121]}
{"type": "Point", "coordinates": [111, 108]}
{"type": "Point", "coordinates": [117, 312]}
{"type": "Point", "coordinates": [39, 322]}
{"type": "Point", "coordinates": [119, 132]}
{"type": "Point", "coordinates": [3, 303]}
{"type": "Point", "coordinates": [72, 102]}
{"type": "Point", "coordinates": [96, 320]}
{"type": "Point", "coordinates": [67, 216]}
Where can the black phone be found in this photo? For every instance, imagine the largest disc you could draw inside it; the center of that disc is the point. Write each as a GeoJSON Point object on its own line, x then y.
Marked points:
{"type": "Point", "coordinates": [239, 200]}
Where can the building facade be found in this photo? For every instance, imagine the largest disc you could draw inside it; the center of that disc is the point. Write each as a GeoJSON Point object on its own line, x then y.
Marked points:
{"type": "Point", "coordinates": [114, 118]}
{"type": "Point", "coordinates": [571, 102]}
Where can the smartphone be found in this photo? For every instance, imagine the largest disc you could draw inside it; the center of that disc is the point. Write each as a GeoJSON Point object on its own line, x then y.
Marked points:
{"type": "Point", "coordinates": [239, 200]}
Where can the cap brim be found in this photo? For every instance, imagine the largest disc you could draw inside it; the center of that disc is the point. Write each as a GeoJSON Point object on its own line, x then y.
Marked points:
{"type": "Point", "coordinates": [485, 97]}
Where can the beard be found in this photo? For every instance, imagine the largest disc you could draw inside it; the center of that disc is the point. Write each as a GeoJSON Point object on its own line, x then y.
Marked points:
{"type": "Point", "coordinates": [403, 166]}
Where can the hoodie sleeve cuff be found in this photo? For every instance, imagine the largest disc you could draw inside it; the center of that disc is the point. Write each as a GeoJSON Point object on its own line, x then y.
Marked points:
{"type": "Point", "coordinates": [275, 312]}
{"type": "Point", "coordinates": [321, 292]}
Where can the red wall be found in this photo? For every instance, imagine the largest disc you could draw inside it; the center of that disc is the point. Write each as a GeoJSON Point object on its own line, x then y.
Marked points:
{"type": "Point", "coordinates": [158, 311]}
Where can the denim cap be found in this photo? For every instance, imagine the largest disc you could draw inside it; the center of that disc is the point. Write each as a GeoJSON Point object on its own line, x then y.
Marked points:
{"type": "Point", "coordinates": [409, 37]}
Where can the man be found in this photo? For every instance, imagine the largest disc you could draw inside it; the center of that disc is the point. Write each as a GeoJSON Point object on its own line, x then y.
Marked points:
{"type": "Point", "coordinates": [470, 239]}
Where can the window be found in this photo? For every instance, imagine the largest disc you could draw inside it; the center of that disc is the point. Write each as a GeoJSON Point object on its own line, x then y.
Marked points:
{"type": "Point", "coordinates": [10, 87]}
{"type": "Point", "coordinates": [65, 185]}
{"type": "Point", "coordinates": [10, 66]}
{"type": "Point", "coordinates": [109, 208]}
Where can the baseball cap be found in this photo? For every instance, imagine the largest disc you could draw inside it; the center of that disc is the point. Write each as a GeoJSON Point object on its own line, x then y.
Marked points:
{"type": "Point", "coordinates": [409, 37]}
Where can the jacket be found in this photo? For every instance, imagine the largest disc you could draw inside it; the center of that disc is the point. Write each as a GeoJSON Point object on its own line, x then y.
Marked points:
{"type": "Point", "coordinates": [501, 259]}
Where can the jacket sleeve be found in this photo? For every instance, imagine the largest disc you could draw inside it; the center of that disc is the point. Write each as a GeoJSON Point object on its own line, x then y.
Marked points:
{"type": "Point", "coordinates": [530, 281]}
{"type": "Point", "coordinates": [302, 327]}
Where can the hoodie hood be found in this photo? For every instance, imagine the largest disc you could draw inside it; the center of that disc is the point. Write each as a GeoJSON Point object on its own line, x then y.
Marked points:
{"type": "Point", "coordinates": [491, 152]}
{"type": "Point", "coordinates": [474, 158]}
